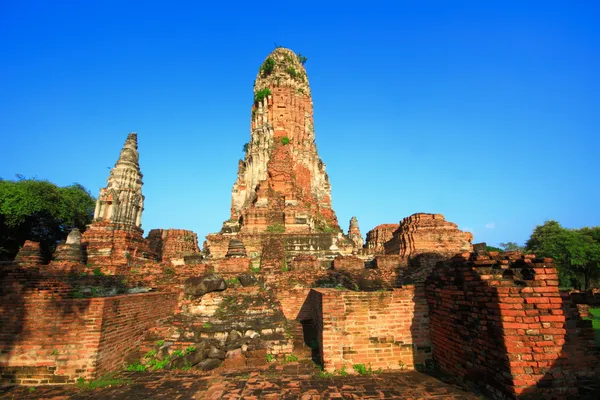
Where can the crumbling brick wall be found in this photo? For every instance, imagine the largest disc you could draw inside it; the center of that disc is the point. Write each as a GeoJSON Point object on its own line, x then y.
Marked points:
{"type": "Point", "coordinates": [48, 336]}
{"type": "Point", "coordinates": [387, 329]}
{"type": "Point", "coordinates": [499, 321]}
{"type": "Point", "coordinates": [172, 243]}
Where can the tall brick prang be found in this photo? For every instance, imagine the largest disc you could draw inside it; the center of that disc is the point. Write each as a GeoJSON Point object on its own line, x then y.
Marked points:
{"type": "Point", "coordinates": [282, 181]}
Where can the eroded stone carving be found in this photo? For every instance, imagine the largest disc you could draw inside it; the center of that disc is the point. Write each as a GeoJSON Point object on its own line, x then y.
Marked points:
{"type": "Point", "coordinates": [121, 201]}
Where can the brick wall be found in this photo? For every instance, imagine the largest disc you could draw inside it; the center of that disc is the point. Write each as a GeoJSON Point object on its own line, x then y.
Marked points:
{"type": "Point", "coordinates": [47, 337]}
{"type": "Point", "coordinates": [125, 320]}
{"type": "Point", "coordinates": [172, 243]}
{"type": "Point", "coordinates": [348, 263]}
{"type": "Point", "coordinates": [387, 329]}
{"type": "Point", "coordinates": [499, 321]}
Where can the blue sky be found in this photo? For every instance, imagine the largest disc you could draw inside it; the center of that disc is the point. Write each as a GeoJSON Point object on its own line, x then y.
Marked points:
{"type": "Point", "coordinates": [484, 111]}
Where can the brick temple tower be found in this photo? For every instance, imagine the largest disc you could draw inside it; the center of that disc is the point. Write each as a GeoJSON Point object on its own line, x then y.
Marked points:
{"type": "Point", "coordinates": [281, 185]}
{"type": "Point", "coordinates": [114, 240]}
{"type": "Point", "coordinates": [282, 182]}
{"type": "Point", "coordinates": [121, 202]}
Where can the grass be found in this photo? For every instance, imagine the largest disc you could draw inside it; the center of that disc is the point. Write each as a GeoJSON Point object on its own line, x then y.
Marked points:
{"type": "Point", "coordinates": [136, 367]}
{"type": "Point", "coordinates": [276, 228]}
{"type": "Point", "coordinates": [232, 281]}
{"type": "Point", "coordinates": [595, 318]}
{"type": "Point", "coordinates": [105, 381]}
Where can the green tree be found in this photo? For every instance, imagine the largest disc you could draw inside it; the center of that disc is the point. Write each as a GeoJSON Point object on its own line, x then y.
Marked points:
{"type": "Point", "coordinates": [511, 246]}
{"type": "Point", "coordinates": [39, 210]}
{"type": "Point", "coordinates": [576, 252]}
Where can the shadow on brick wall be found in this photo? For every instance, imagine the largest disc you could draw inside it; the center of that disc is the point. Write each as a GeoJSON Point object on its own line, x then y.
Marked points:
{"type": "Point", "coordinates": [500, 323]}
{"type": "Point", "coordinates": [31, 311]}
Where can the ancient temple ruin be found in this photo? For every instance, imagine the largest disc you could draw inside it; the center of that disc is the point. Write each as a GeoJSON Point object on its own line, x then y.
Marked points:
{"type": "Point", "coordinates": [282, 282]}
{"type": "Point", "coordinates": [115, 237]}
{"type": "Point", "coordinates": [121, 202]}
{"type": "Point", "coordinates": [282, 186]}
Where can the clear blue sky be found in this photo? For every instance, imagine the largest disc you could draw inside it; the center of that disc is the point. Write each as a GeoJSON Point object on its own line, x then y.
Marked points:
{"type": "Point", "coordinates": [485, 111]}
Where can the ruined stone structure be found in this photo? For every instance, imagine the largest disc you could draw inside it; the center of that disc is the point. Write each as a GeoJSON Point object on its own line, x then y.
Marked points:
{"type": "Point", "coordinates": [281, 275]}
{"type": "Point", "coordinates": [428, 233]}
{"type": "Point", "coordinates": [282, 186]}
{"type": "Point", "coordinates": [378, 236]}
{"type": "Point", "coordinates": [70, 251]}
{"type": "Point", "coordinates": [114, 239]}
{"type": "Point", "coordinates": [354, 233]}
{"type": "Point", "coordinates": [499, 321]}
{"type": "Point", "coordinates": [29, 254]}
{"type": "Point", "coordinates": [169, 244]}
{"type": "Point", "coordinates": [121, 202]}
{"type": "Point", "coordinates": [282, 181]}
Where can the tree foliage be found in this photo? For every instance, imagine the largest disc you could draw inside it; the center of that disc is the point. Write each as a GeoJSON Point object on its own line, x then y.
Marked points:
{"type": "Point", "coordinates": [39, 210]}
{"type": "Point", "coordinates": [511, 246]}
{"type": "Point", "coordinates": [576, 252]}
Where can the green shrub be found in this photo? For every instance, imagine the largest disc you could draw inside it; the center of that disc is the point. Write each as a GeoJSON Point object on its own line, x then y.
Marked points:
{"type": "Point", "coordinates": [261, 94]}
{"type": "Point", "coordinates": [160, 343]}
{"type": "Point", "coordinates": [270, 358]}
{"type": "Point", "coordinates": [150, 354]}
{"type": "Point", "coordinates": [207, 325]}
{"type": "Point", "coordinates": [97, 272]}
{"type": "Point", "coordinates": [301, 58]}
{"type": "Point", "coordinates": [245, 148]}
{"type": "Point", "coordinates": [136, 367]}
{"type": "Point", "coordinates": [291, 358]}
{"type": "Point", "coordinates": [190, 349]}
{"type": "Point", "coordinates": [158, 364]}
{"type": "Point", "coordinates": [177, 353]}
{"type": "Point", "coordinates": [285, 140]}
{"type": "Point", "coordinates": [267, 67]}
{"type": "Point", "coordinates": [362, 370]}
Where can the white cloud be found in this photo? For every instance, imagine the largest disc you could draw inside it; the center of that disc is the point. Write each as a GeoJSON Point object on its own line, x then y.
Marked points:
{"type": "Point", "coordinates": [490, 225]}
